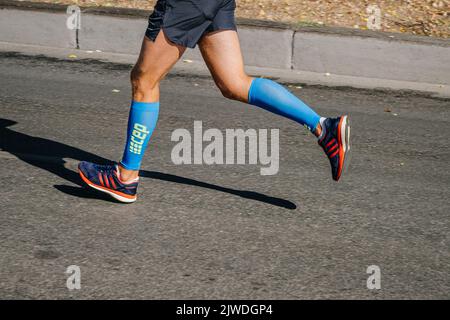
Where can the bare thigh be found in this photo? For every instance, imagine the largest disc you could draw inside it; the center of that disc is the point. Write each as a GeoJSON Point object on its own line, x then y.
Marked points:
{"type": "Point", "coordinates": [154, 62]}
{"type": "Point", "coordinates": [221, 51]}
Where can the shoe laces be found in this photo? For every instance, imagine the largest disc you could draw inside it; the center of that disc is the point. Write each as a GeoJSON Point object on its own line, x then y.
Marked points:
{"type": "Point", "coordinates": [106, 168]}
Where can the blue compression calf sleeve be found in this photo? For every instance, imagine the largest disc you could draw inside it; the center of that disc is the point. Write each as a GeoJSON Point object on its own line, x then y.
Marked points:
{"type": "Point", "coordinates": [141, 123]}
{"type": "Point", "coordinates": [275, 98]}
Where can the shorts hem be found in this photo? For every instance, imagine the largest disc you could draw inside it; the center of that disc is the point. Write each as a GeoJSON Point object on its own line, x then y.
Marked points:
{"type": "Point", "coordinates": [222, 29]}
{"type": "Point", "coordinates": [174, 41]}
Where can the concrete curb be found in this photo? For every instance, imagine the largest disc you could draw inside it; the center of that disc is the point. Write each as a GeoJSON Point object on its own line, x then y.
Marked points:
{"type": "Point", "coordinates": [198, 68]}
{"type": "Point", "coordinates": [337, 51]}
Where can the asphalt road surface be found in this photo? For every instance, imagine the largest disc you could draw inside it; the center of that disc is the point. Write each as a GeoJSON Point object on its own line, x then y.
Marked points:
{"type": "Point", "coordinates": [221, 231]}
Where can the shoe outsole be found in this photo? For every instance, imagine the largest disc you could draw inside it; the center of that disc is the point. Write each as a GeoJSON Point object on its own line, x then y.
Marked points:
{"type": "Point", "coordinates": [116, 196]}
{"type": "Point", "coordinates": [344, 140]}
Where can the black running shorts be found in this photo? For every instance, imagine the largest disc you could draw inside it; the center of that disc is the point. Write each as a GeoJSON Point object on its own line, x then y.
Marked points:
{"type": "Point", "coordinates": [186, 21]}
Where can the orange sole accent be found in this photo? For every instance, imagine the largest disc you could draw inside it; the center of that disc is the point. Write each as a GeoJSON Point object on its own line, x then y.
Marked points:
{"type": "Point", "coordinates": [88, 182]}
{"type": "Point", "coordinates": [341, 150]}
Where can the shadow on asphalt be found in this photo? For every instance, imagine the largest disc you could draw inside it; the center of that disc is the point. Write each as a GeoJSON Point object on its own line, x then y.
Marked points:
{"type": "Point", "coordinates": [49, 155]}
{"type": "Point", "coordinates": [252, 195]}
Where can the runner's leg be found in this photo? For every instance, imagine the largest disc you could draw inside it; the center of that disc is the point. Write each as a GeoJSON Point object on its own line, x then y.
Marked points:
{"type": "Point", "coordinates": [155, 61]}
{"type": "Point", "coordinates": [222, 54]}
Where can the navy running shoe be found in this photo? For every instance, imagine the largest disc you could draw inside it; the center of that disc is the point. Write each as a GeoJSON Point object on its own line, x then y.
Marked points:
{"type": "Point", "coordinates": [335, 141]}
{"type": "Point", "coordinates": [105, 178]}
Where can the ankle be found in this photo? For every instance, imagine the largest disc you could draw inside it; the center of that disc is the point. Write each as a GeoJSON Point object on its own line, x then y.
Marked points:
{"type": "Point", "coordinates": [127, 175]}
{"type": "Point", "coordinates": [318, 131]}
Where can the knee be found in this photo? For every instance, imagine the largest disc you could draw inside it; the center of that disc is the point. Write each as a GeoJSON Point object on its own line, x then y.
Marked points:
{"type": "Point", "coordinates": [229, 92]}
{"type": "Point", "coordinates": [136, 74]}
{"type": "Point", "coordinates": [142, 80]}
{"type": "Point", "coordinates": [237, 89]}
